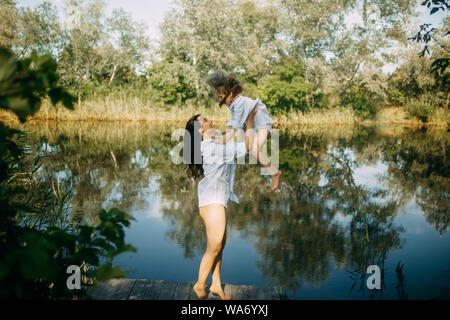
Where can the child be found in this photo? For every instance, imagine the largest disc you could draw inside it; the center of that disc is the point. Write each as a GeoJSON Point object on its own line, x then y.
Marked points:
{"type": "Point", "coordinates": [228, 91]}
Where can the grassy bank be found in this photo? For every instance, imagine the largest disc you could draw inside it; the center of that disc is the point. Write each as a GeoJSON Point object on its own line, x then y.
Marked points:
{"type": "Point", "coordinates": [133, 109]}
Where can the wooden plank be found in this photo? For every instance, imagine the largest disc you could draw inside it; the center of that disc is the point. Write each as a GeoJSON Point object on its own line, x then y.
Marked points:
{"type": "Point", "coordinates": [98, 290]}
{"type": "Point", "coordinates": [227, 290]}
{"type": "Point", "coordinates": [168, 290]}
{"type": "Point", "coordinates": [257, 293]}
{"type": "Point", "coordinates": [182, 291]}
{"type": "Point", "coordinates": [212, 296]}
{"type": "Point", "coordinates": [120, 289]}
{"type": "Point", "coordinates": [274, 293]}
{"type": "Point", "coordinates": [153, 290]}
{"type": "Point", "coordinates": [238, 292]}
{"type": "Point", "coordinates": [139, 289]}
{"type": "Point", "coordinates": [192, 295]}
{"type": "Point", "coordinates": [244, 291]}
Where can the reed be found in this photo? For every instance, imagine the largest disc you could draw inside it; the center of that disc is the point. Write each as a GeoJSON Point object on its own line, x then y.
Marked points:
{"type": "Point", "coordinates": [399, 115]}
{"type": "Point", "coordinates": [127, 107]}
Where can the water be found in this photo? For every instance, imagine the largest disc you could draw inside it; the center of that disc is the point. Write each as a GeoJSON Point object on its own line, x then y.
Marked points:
{"type": "Point", "coordinates": [352, 197]}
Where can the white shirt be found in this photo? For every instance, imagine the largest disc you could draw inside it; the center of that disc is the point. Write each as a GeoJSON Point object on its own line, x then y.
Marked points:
{"type": "Point", "coordinates": [219, 168]}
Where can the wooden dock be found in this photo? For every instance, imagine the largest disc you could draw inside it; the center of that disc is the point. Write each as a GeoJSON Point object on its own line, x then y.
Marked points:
{"type": "Point", "coordinates": [139, 289]}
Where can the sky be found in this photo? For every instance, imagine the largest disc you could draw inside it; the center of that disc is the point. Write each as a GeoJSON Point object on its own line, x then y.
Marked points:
{"type": "Point", "coordinates": [152, 12]}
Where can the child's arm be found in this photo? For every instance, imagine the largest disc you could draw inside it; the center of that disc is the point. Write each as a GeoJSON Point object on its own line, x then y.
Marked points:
{"type": "Point", "coordinates": [227, 135]}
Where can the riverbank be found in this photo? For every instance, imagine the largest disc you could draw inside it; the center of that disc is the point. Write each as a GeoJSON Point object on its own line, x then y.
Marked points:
{"type": "Point", "coordinates": [130, 110]}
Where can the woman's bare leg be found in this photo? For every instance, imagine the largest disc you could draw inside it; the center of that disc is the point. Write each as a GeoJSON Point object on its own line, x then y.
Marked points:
{"type": "Point", "coordinates": [216, 285]}
{"type": "Point", "coordinates": [213, 216]}
{"type": "Point", "coordinates": [256, 151]}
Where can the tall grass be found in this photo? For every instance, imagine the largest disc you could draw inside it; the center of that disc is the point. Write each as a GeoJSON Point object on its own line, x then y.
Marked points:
{"type": "Point", "coordinates": [125, 105]}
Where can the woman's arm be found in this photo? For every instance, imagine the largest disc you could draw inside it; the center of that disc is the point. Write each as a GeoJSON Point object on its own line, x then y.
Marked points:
{"type": "Point", "coordinates": [230, 132]}
{"type": "Point", "coordinates": [227, 135]}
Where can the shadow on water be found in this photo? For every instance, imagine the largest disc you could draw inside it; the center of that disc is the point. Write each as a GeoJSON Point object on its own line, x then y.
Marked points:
{"type": "Point", "coordinates": [330, 216]}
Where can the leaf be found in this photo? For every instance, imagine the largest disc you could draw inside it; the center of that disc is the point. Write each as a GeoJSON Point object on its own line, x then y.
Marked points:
{"type": "Point", "coordinates": [434, 10]}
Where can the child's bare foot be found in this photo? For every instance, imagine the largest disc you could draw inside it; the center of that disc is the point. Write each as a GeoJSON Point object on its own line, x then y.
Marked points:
{"type": "Point", "coordinates": [276, 181]}
{"type": "Point", "coordinates": [199, 292]}
{"type": "Point", "coordinates": [218, 290]}
{"type": "Point", "coordinates": [279, 183]}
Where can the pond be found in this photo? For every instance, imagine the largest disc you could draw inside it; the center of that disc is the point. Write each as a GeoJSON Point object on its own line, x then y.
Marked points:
{"type": "Point", "coordinates": [353, 196]}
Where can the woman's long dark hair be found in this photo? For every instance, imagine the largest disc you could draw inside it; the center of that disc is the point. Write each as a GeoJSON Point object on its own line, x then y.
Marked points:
{"type": "Point", "coordinates": [192, 156]}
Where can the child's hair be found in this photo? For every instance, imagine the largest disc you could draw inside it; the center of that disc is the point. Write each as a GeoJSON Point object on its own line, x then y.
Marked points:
{"type": "Point", "coordinates": [191, 148]}
{"type": "Point", "coordinates": [226, 83]}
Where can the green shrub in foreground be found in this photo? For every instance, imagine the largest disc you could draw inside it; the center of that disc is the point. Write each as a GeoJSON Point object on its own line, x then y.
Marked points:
{"type": "Point", "coordinates": [34, 256]}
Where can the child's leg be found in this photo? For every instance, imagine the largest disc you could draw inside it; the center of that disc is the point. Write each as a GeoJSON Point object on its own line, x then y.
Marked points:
{"type": "Point", "coordinates": [249, 131]}
{"type": "Point", "coordinates": [257, 143]}
{"type": "Point", "coordinates": [256, 151]}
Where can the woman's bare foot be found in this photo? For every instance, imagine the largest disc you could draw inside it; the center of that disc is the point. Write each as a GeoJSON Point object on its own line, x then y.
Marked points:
{"type": "Point", "coordinates": [276, 181]}
{"type": "Point", "coordinates": [218, 290]}
{"type": "Point", "coordinates": [199, 292]}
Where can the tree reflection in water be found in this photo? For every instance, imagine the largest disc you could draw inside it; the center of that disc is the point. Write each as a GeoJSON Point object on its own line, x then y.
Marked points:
{"type": "Point", "coordinates": [321, 221]}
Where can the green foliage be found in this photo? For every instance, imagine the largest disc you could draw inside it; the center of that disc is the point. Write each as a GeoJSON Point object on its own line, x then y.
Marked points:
{"type": "Point", "coordinates": [396, 97]}
{"type": "Point", "coordinates": [428, 33]}
{"type": "Point", "coordinates": [96, 50]}
{"type": "Point", "coordinates": [169, 84]}
{"type": "Point", "coordinates": [8, 21]}
{"type": "Point", "coordinates": [359, 99]}
{"type": "Point", "coordinates": [34, 265]}
{"type": "Point", "coordinates": [37, 241]}
{"type": "Point", "coordinates": [422, 110]}
{"type": "Point", "coordinates": [414, 80]}
{"type": "Point", "coordinates": [286, 89]}
{"type": "Point", "coordinates": [24, 82]}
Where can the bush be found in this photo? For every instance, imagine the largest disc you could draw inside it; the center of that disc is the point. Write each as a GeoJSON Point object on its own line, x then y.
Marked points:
{"type": "Point", "coordinates": [396, 97]}
{"type": "Point", "coordinates": [422, 110]}
{"type": "Point", "coordinates": [359, 99]}
{"type": "Point", "coordinates": [286, 89]}
{"type": "Point", "coordinates": [170, 85]}
{"type": "Point", "coordinates": [38, 244]}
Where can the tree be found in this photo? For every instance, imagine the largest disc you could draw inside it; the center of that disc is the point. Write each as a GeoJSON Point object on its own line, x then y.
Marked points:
{"type": "Point", "coordinates": [8, 23]}
{"type": "Point", "coordinates": [427, 33]}
{"type": "Point", "coordinates": [100, 50]}
{"type": "Point", "coordinates": [362, 44]}
{"type": "Point", "coordinates": [128, 47]}
{"type": "Point", "coordinates": [200, 36]}
{"type": "Point", "coordinates": [39, 30]}
{"type": "Point", "coordinates": [310, 28]}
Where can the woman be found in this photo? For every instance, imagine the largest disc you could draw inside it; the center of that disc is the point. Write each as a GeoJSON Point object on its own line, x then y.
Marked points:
{"type": "Point", "coordinates": [206, 156]}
